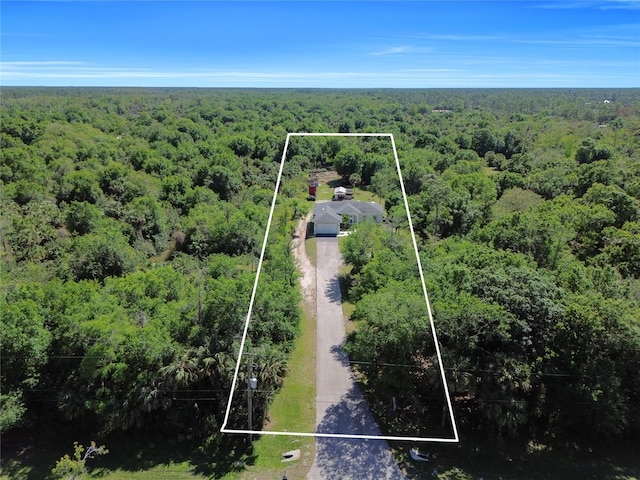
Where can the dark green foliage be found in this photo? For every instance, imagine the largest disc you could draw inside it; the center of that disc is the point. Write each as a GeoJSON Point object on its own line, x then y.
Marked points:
{"type": "Point", "coordinates": [485, 140]}
{"type": "Point", "coordinates": [82, 217]}
{"type": "Point", "coordinates": [391, 331]}
{"type": "Point", "coordinates": [132, 221]}
{"type": "Point", "coordinates": [25, 342]}
{"type": "Point", "coordinates": [242, 146]}
{"type": "Point", "coordinates": [79, 186]}
{"type": "Point", "coordinates": [622, 248]}
{"type": "Point", "coordinates": [99, 255]}
{"type": "Point", "coordinates": [589, 152]}
{"type": "Point", "coordinates": [220, 179]}
{"type": "Point", "coordinates": [349, 161]}
{"type": "Point", "coordinates": [625, 207]}
{"type": "Point", "coordinates": [148, 219]}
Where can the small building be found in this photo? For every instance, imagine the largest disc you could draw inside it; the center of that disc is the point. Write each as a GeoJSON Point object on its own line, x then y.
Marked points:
{"type": "Point", "coordinates": [313, 185]}
{"type": "Point", "coordinates": [328, 216]}
{"type": "Point", "coordinates": [342, 193]}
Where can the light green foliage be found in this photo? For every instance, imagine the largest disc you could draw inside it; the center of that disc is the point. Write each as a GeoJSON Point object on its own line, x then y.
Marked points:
{"type": "Point", "coordinates": [103, 254]}
{"type": "Point", "coordinates": [359, 247]}
{"type": "Point", "coordinates": [625, 207]}
{"type": "Point", "coordinates": [384, 181]}
{"type": "Point", "coordinates": [79, 186]}
{"type": "Point", "coordinates": [175, 189]}
{"type": "Point", "coordinates": [25, 342]}
{"type": "Point", "coordinates": [72, 468]}
{"type": "Point", "coordinates": [32, 229]}
{"type": "Point", "coordinates": [516, 200]}
{"type": "Point", "coordinates": [221, 179]}
{"type": "Point", "coordinates": [416, 173]}
{"type": "Point", "coordinates": [386, 264]}
{"type": "Point", "coordinates": [82, 217]}
{"type": "Point", "coordinates": [394, 324]}
{"type": "Point", "coordinates": [558, 178]}
{"type": "Point", "coordinates": [481, 193]}
{"type": "Point", "coordinates": [544, 231]}
{"type": "Point", "coordinates": [131, 224]}
{"type": "Point", "coordinates": [224, 230]}
{"type": "Point", "coordinates": [12, 410]}
{"type": "Point", "coordinates": [593, 345]}
{"type": "Point", "coordinates": [622, 248]}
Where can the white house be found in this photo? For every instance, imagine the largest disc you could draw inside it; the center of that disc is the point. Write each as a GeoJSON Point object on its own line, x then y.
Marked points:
{"type": "Point", "coordinates": [327, 216]}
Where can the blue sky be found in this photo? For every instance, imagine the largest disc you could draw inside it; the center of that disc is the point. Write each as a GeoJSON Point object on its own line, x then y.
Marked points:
{"type": "Point", "coordinates": [334, 44]}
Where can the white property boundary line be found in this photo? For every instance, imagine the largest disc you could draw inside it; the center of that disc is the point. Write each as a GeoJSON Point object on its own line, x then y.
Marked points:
{"type": "Point", "coordinates": [224, 428]}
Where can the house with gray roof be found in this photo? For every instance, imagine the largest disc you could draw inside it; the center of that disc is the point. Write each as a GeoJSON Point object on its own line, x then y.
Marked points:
{"type": "Point", "coordinates": [327, 216]}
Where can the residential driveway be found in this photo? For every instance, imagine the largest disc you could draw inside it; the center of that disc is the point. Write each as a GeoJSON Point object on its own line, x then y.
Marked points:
{"type": "Point", "coordinates": [340, 407]}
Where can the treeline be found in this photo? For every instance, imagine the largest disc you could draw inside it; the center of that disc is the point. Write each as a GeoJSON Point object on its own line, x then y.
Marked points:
{"type": "Point", "coordinates": [132, 220]}
{"type": "Point", "coordinates": [531, 249]}
{"type": "Point", "coordinates": [131, 232]}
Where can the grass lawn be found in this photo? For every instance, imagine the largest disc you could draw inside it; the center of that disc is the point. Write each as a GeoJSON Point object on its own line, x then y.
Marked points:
{"type": "Point", "coordinates": [325, 192]}
{"type": "Point", "coordinates": [347, 305]}
{"type": "Point", "coordinates": [312, 250]}
{"type": "Point", "coordinates": [294, 410]}
{"type": "Point", "coordinates": [177, 471]}
{"type": "Point", "coordinates": [135, 457]}
{"type": "Point", "coordinates": [364, 195]}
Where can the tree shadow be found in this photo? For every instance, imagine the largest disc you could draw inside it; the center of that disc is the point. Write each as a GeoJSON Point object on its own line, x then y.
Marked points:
{"type": "Point", "coordinates": [340, 355]}
{"type": "Point", "coordinates": [346, 281]}
{"type": "Point", "coordinates": [231, 454]}
{"type": "Point", "coordinates": [333, 292]}
{"type": "Point", "coordinates": [477, 456]}
{"type": "Point", "coordinates": [30, 454]}
{"type": "Point", "coordinates": [353, 458]}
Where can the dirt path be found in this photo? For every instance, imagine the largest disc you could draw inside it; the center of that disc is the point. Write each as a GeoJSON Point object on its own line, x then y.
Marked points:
{"type": "Point", "coordinates": [306, 268]}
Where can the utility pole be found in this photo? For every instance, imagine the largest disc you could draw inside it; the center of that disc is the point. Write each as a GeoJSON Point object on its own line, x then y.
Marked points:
{"type": "Point", "coordinates": [252, 383]}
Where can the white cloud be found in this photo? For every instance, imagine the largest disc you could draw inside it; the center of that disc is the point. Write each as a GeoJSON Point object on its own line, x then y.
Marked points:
{"type": "Point", "coordinates": [48, 63]}
{"type": "Point", "coordinates": [606, 36]}
{"type": "Point", "coordinates": [589, 4]}
{"type": "Point", "coordinates": [392, 51]}
{"type": "Point", "coordinates": [467, 71]}
{"type": "Point", "coordinates": [459, 37]}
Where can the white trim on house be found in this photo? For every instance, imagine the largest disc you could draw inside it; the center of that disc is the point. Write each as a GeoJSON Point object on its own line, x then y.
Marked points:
{"type": "Point", "coordinates": [332, 213]}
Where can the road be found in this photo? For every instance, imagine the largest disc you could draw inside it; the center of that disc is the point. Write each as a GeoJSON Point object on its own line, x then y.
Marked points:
{"type": "Point", "coordinates": [340, 407]}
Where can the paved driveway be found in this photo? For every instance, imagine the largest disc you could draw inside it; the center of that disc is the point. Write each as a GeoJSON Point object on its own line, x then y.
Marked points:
{"type": "Point", "coordinates": [340, 407]}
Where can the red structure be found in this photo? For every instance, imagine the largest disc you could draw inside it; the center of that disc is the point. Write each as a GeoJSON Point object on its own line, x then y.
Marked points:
{"type": "Point", "coordinates": [313, 185]}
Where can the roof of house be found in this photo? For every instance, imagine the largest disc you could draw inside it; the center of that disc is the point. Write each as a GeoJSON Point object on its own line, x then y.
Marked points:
{"type": "Point", "coordinates": [371, 208]}
{"type": "Point", "coordinates": [327, 217]}
{"type": "Point", "coordinates": [345, 207]}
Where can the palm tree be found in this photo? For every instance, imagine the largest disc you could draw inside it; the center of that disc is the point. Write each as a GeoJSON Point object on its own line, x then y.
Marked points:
{"type": "Point", "coordinates": [183, 371]}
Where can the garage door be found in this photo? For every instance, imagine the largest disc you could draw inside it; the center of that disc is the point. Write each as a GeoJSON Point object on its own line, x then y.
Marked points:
{"type": "Point", "coordinates": [327, 229]}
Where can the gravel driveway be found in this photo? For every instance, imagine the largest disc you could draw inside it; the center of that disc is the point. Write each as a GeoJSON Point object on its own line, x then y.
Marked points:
{"type": "Point", "coordinates": [340, 407]}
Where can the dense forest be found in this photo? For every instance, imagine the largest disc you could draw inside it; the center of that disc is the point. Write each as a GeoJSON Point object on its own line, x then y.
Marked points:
{"type": "Point", "coordinates": [132, 219]}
